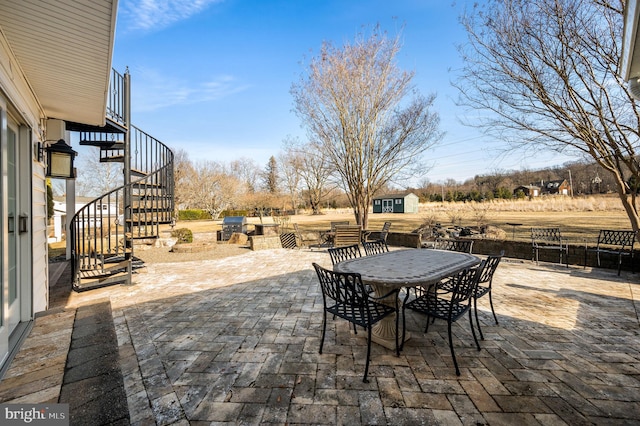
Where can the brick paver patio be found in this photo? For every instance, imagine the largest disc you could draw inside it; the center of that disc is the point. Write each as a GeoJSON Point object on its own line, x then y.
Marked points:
{"type": "Point", "coordinates": [236, 340]}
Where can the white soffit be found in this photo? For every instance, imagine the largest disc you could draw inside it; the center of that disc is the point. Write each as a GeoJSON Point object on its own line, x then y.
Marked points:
{"type": "Point", "coordinates": [64, 48]}
{"type": "Point", "coordinates": [630, 61]}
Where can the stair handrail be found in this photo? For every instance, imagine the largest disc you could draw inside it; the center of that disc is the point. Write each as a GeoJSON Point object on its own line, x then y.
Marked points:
{"type": "Point", "coordinates": [87, 251]}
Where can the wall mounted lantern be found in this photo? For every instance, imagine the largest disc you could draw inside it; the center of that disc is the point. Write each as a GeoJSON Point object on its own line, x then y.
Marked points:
{"type": "Point", "coordinates": [60, 158]}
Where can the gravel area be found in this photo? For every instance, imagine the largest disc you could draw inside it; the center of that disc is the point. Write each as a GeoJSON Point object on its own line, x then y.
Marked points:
{"type": "Point", "coordinates": [214, 250]}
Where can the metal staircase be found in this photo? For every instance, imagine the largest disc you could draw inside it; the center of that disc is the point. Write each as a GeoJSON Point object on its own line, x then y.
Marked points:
{"type": "Point", "coordinates": [103, 232]}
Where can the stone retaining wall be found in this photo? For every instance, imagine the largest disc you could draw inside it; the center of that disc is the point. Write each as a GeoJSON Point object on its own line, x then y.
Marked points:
{"type": "Point", "coordinates": [523, 250]}
{"type": "Point", "coordinates": [264, 242]}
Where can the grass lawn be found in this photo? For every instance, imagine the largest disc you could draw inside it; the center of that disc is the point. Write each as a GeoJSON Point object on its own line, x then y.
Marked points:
{"type": "Point", "coordinates": [578, 220]}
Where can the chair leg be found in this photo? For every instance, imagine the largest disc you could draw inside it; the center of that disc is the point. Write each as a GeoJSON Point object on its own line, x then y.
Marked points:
{"type": "Point", "coordinates": [366, 366]}
{"type": "Point", "coordinates": [492, 310]}
{"type": "Point", "coordinates": [404, 319]}
{"type": "Point", "coordinates": [453, 353]}
{"type": "Point", "coordinates": [397, 320]}
{"type": "Point", "coordinates": [426, 327]}
{"type": "Point", "coordinates": [619, 263]}
{"type": "Point", "coordinates": [324, 329]}
{"type": "Point", "coordinates": [473, 331]}
{"type": "Point", "coordinates": [475, 309]}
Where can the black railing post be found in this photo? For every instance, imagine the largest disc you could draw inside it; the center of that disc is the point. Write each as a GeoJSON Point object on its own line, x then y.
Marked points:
{"type": "Point", "coordinates": [128, 226]}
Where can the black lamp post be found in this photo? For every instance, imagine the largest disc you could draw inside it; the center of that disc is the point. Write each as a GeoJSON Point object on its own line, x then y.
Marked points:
{"type": "Point", "coordinates": [60, 160]}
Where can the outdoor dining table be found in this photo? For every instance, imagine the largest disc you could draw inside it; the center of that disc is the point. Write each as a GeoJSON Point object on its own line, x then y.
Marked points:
{"type": "Point", "coordinates": [404, 268]}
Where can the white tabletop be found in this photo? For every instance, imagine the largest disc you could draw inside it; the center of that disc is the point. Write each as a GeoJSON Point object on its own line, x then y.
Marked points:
{"type": "Point", "coordinates": [404, 268]}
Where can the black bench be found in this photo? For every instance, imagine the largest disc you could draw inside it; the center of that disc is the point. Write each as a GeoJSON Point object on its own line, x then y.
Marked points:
{"type": "Point", "coordinates": [549, 239]}
{"type": "Point", "coordinates": [618, 243]}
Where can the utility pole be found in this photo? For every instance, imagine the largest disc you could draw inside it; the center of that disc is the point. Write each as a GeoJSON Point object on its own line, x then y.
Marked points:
{"type": "Point", "coordinates": [570, 184]}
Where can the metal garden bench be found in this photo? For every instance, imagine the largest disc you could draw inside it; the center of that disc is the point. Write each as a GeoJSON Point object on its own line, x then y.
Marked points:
{"type": "Point", "coordinates": [549, 239]}
{"type": "Point", "coordinates": [618, 243]}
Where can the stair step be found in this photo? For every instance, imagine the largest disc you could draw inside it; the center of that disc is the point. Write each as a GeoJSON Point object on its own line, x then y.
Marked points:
{"type": "Point", "coordinates": [145, 185]}
{"type": "Point", "coordinates": [85, 284]}
{"type": "Point", "coordinates": [147, 197]}
{"type": "Point", "coordinates": [138, 173]}
{"type": "Point", "coordinates": [112, 159]}
{"type": "Point", "coordinates": [139, 236]}
{"type": "Point", "coordinates": [150, 209]}
{"type": "Point", "coordinates": [104, 143]}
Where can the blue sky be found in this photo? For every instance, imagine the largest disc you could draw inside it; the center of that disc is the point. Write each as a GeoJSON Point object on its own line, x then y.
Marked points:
{"type": "Point", "coordinates": [213, 77]}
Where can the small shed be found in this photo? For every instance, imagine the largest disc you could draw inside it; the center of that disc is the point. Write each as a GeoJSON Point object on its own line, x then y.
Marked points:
{"type": "Point", "coordinates": [406, 202]}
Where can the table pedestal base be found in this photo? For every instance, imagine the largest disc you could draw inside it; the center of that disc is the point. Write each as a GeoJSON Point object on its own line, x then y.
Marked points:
{"type": "Point", "coordinates": [384, 333]}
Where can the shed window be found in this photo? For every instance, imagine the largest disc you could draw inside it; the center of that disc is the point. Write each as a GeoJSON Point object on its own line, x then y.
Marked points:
{"type": "Point", "coordinates": [398, 201]}
{"type": "Point", "coordinates": [376, 202]}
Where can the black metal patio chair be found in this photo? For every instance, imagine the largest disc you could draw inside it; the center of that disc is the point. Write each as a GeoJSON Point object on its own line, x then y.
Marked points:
{"type": "Point", "coordinates": [463, 246]}
{"type": "Point", "coordinates": [344, 295]}
{"type": "Point", "coordinates": [338, 254]}
{"type": "Point", "coordinates": [484, 287]}
{"type": "Point", "coordinates": [447, 305]}
{"type": "Point", "coordinates": [549, 239]}
{"type": "Point", "coordinates": [375, 247]}
{"type": "Point", "coordinates": [616, 242]}
{"type": "Point", "coordinates": [377, 235]}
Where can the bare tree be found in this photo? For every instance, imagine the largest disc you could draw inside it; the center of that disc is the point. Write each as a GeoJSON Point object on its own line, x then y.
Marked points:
{"type": "Point", "coordinates": [212, 188]}
{"type": "Point", "coordinates": [183, 174]}
{"type": "Point", "coordinates": [290, 176]}
{"type": "Point", "coordinates": [313, 169]}
{"type": "Point", "coordinates": [546, 74]}
{"type": "Point", "coordinates": [97, 178]}
{"type": "Point", "coordinates": [247, 171]}
{"type": "Point", "coordinates": [316, 174]}
{"type": "Point", "coordinates": [353, 102]}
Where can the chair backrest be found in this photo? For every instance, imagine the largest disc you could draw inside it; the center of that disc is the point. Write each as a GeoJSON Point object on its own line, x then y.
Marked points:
{"type": "Point", "coordinates": [346, 235]}
{"type": "Point", "coordinates": [489, 267]}
{"type": "Point", "coordinates": [375, 247]}
{"type": "Point", "coordinates": [622, 239]}
{"type": "Point", "coordinates": [465, 283]}
{"type": "Point", "coordinates": [546, 236]}
{"type": "Point", "coordinates": [340, 223]}
{"type": "Point", "coordinates": [338, 254]}
{"type": "Point", "coordinates": [463, 246]}
{"type": "Point", "coordinates": [343, 288]}
{"type": "Point", "coordinates": [385, 231]}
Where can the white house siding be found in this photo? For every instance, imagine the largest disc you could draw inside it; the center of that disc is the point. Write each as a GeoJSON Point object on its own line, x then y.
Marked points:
{"type": "Point", "coordinates": [40, 255]}
{"type": "Point", "coordinates": [23, 109]}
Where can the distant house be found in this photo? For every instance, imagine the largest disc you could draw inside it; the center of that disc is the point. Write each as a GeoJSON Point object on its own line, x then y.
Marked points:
{"type": "Point", "coordinates": [556, 187]}
{"type": "Point", "coordinates": [528, 190]}
{"type": "Point", "coordinates": [93, 219]}
{"type": "Point", "coordinates": [406, 202]}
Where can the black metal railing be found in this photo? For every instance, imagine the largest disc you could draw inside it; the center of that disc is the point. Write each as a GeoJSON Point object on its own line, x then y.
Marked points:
{"type": "Point", "coordinates": [102, 232]}
{"type": "Point", "coordinates": [116, 104]}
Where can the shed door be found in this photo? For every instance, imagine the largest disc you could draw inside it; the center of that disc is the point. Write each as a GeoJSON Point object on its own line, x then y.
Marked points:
{"type": "Point", "coordinates": [387, 206]}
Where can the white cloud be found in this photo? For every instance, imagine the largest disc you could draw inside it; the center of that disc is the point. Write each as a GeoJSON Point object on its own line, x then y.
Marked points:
{"type": "Point", "coordinates": [152, 15]}
{"type": "Point", "coordinates": [153, 91]}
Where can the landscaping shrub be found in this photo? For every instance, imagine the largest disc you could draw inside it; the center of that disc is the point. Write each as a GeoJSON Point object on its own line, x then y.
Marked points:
{"type": "Point", "coordinates": [234, 213]}
{"type": "Point", "coordinates": [183, 235]}
{"type": "Point", "coordinates": [193, 214]}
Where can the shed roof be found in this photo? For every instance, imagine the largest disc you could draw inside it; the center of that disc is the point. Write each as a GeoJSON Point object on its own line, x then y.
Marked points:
{"type": "Point", "coordinates": [396, 195]}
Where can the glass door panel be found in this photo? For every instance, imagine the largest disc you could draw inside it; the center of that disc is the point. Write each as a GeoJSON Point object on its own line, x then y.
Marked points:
{"type": "Point", "coordinates": [12, 198]}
